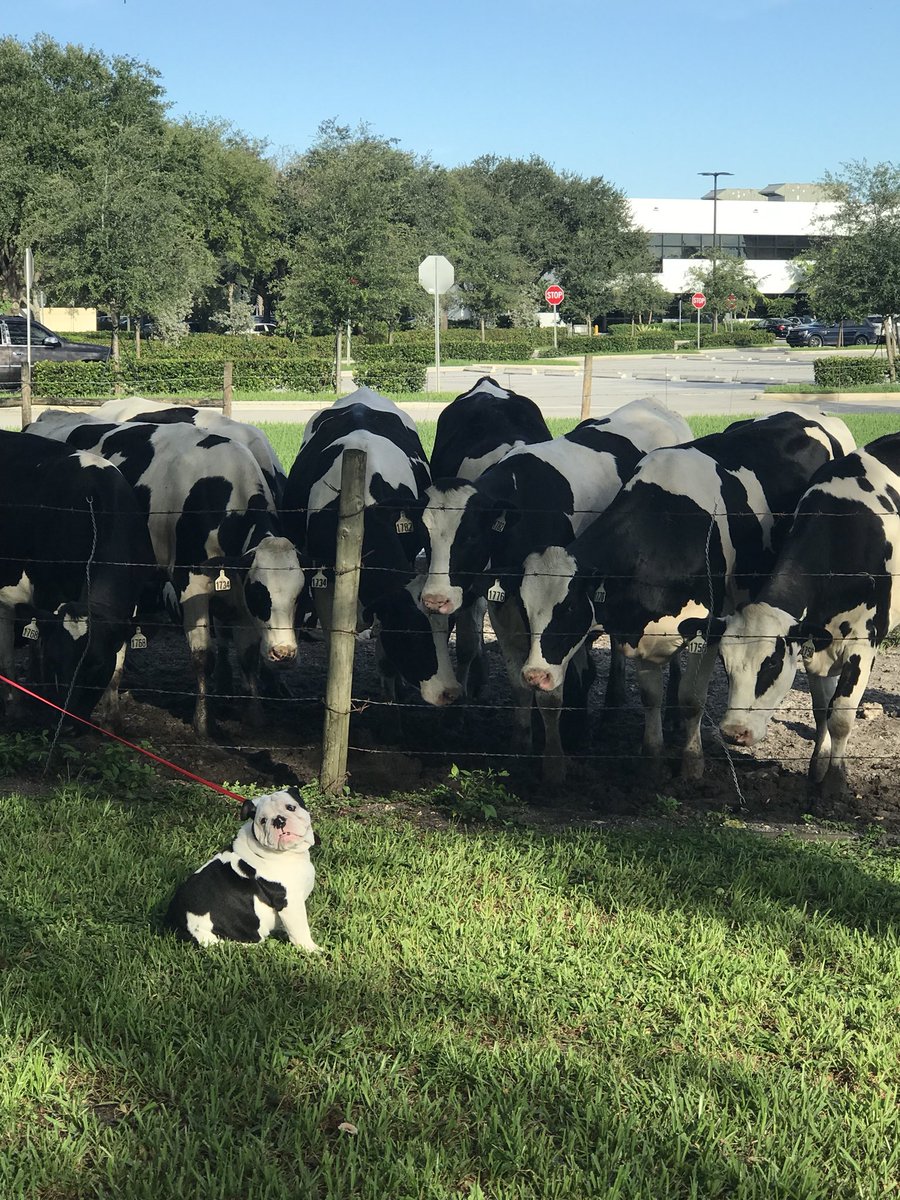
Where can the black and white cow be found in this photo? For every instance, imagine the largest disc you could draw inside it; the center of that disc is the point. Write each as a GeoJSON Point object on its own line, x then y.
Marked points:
{"type": "Point", "coordinates": [215, 534]}
{"type": "Point", "coordinates": [473, 433]}
{"type": "Point", "coordinates": [396, 478]}
{"type": "Point", "coordinates": [74, 555]}
{"type": "Point", "coordinates": [153, 412]}
{"type": "Point", "coordinates": [833, 596]}
{"type": "Point", "coordinates": [693, 533]}
{"type": "Point", "coordinates": [483, 534]}
{"type": "Point", "coordinates": [482, 425]}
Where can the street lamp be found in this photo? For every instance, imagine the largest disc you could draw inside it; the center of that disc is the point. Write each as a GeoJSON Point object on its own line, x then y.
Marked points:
{"type": "Point", "coordinates": [715, 179]}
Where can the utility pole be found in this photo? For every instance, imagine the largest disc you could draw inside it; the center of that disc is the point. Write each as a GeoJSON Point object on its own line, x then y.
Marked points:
{"type": "Point", "coordinates": [715, 179]}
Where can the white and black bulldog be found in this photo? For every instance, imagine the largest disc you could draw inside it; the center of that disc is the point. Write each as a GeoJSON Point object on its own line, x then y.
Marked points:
{"type": "Point", "coordinates": [259, 885]}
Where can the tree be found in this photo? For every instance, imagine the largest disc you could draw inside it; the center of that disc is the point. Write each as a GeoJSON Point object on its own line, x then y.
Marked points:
{"type": "Point", "coordinates": [856, 264]}
{"type": "Point", "coordinates": [596, 245]}
{"type": "Point", "coordinates": [640, 294]}
{"type": "Point", "coordinates": [727, 275]}
{"type": "Point", "coordinates": [348, 212]}
{"type": "Point", "coordinates": [228, 191]}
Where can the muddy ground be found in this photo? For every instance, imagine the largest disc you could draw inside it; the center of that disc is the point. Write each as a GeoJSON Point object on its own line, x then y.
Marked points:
{"type": "Point", "coordinates": [410, 748]}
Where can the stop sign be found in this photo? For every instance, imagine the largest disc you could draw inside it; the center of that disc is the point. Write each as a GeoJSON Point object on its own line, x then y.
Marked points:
{"type": "Point", "coordinates": [554, 294]}
{"type": "Point", "coordinates": [698, 300]}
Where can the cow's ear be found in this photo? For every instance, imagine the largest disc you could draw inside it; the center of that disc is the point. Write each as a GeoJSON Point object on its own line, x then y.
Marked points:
{"type": "Point", "coordinates": [805, 631]}
{"type": "Point", "coordinates": [248, 810]}
{"type": "Point", "coordinates": [710, 629]}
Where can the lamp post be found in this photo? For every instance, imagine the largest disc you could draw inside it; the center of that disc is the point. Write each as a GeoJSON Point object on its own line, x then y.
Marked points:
{"type": "Point", "coordinates": [715, 179]}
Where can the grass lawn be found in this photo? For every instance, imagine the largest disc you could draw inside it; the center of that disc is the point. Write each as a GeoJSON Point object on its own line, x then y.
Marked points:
{"type": "Point", "coordinates": [865, 427]}
{"type": "Point", "coordinates": [643, 1014]}
{"type": "Point", "coordinates": [813, 389]}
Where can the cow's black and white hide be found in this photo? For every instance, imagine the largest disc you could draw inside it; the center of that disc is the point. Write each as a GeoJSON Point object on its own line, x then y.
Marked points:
{"type": "Point", "coordinates": [483, 535]}
{"type": "Point", "coordinates": [215, 534]}
{"type": "Point", "coordinates": [396, 477]}
{"type": "Point", "coordinates": [833, 596]}
{"type": "Point", "coordinates": [153, 412]}
{"type": "Point", "coordinates": [693, 533]}
{"type": "Point", "coordinates": [74, 557]}
{"type": "Point", "coordinates": [482, 425]}
{"type": "Point", "coordinates": [473, 433]}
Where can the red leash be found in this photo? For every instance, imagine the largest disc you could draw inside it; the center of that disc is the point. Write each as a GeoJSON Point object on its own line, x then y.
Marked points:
{"type": "Point", "coordinates": [124, 741]}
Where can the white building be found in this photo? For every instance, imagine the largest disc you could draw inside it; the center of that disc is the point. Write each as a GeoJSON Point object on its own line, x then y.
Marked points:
{"type": "Point", "coordinates": [766, 227]}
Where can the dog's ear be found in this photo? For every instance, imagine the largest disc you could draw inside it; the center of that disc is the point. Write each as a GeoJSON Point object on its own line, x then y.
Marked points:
{"type": "Point", "coordinates": [294, 793]}
{"type": "Point", "coordinates": [248, 810]}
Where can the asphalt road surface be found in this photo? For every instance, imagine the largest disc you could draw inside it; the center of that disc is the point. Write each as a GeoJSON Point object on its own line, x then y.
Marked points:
{"type": "Point", "coordinates": [714, 381]}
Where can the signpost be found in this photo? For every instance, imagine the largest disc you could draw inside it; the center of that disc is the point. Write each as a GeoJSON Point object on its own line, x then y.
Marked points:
{"type": "Point", "coordinates": [436, 277]}
{"type": "Point", "coordinates": [554, 295]}
{"type": "Point", "coordinates": [29, 281]}
{"type": "Point", "coordinates": [699, 301]}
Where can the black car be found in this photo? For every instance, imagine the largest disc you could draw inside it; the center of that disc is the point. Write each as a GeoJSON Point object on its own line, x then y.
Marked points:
{"type": "Point", "coordinates": [827, 333]}
{"type": "Point", "coordinates": [45, 346]}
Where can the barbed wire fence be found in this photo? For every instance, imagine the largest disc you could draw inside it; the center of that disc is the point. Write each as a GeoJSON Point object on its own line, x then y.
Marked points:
{"type": "Point", "coordinates": [340, 700]}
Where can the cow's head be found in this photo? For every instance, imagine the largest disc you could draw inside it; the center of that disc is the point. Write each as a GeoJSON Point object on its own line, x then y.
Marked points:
{"type": "Point", "coordinates": [761, 647]}
{"type": "Point", "coordinates": [264, 585]}
{"type": "Point", "coordinates": [458, 522]}
{"type": "Point", "coordinates": [413, 645]}
{"type": "Point", "coordinates": [560, 612]}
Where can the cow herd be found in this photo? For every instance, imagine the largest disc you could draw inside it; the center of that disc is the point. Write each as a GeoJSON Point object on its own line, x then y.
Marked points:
{"type": "Point", "coordinates": [772, 543]}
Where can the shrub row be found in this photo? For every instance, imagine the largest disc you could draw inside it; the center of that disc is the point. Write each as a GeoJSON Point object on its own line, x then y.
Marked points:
{"type": "Point", "coordinates": [390, 377]}
{"type": "Point", "coordinates": [171, 376]}
{"type": "Point", "coordinates": [453, 345]}
{"type": "Point", "coordinates": [849, 372]}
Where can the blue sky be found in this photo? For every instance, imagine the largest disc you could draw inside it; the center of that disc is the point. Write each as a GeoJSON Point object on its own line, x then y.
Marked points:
{"type": "Point", "coordinates": [644, 92]}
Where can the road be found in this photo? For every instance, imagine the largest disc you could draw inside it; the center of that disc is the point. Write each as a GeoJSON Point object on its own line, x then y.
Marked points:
{"type": "Point", "coordinates": [714, 381]}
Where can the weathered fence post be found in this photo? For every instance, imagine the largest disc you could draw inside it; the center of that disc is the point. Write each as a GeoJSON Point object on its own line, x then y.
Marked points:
{"type": "Point", "coordinates": [227, 389]}
{"type": "Point", "coordinates": [587, 383]}
{"type": "Point", "coordinates": [342, 636]}
{"type": "Point", "coordinates": [26, 395]}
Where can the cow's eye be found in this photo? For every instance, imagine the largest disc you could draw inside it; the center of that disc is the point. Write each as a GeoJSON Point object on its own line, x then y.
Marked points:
{"type": "Point", "coordinates": [292, 807]}
{"type": "Point", "coordinates": [262, 820]}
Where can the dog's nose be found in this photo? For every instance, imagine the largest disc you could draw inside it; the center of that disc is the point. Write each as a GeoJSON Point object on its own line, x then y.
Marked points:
{"type": "Point", "coordinates": [280, 822]}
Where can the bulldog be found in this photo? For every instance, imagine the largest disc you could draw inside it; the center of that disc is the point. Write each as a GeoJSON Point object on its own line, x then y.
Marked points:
{"type": "Point", "coordinates": [259, 885]}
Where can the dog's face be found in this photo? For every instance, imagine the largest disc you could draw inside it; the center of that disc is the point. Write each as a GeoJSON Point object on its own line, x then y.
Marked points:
{"type": "Point", "coordinates": [280, 820]}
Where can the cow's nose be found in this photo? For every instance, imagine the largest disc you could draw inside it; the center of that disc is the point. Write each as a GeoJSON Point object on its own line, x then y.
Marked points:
{"type": "Point", "coordinates": [738, 735]}
{"type": "Point", "coordinates": [538, 679]}
{"type": "Point", "coordinates": [436, 603]}
{"type": "Point", "coordinates": [450, 695]}
{"type": "Point", "coordinates": [282, 653]}
{"type": "Point", "coordinates": [279, 822]}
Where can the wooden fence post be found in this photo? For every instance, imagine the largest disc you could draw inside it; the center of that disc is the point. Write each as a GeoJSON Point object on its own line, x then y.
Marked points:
{"type": "Point", "coordinates": [342, 636]}
{"type": "Point", "coordinates": [587, 383]}
{"type": "Point", "coordinates": [26, 395]}
{"type": "Point", "coordinates": [227, 390]}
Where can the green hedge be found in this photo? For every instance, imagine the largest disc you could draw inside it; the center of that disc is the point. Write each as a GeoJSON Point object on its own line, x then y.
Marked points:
{"type": "Point", "coordinates": [390, 377]}
{"type": "Point", "coordinates": [169, 376]}
{"type": "Point", "coordinates": [622, 343]}
{"type": "Point", "coordinates": [453, 345]}
{"type": "Point", "coordinates": [849, 372]}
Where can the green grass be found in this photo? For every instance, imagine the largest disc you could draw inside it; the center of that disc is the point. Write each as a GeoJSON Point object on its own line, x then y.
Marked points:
{"type": "Point", "coordinates": [621, 1014]}
{"type": "Point", "coordinates": [813, 389]}
{"type": "Point", "coordinates": [865, 427]}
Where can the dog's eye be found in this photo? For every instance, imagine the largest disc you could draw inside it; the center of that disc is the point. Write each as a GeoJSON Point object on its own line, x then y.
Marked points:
{"type": "Point", "coordinates": [291, 807]}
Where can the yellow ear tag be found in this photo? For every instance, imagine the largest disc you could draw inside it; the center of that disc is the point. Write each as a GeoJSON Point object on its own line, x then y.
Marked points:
{"type": "Point", "coordinates": [500, 524]}
{"type": "Point", "coordinates": [138, 642]}
{"type": "Point", "coordinates": [697, 644]}
{"type": "Point", "coordinates": [223, 583]}
{"type": "Point", "coordinates": [496, 592]}
{"type": "Point", "coordinates": [807, 650]}
{"type": "Point", "coordinates": [403, 524]}
{"type": "Point", "coordinates": [600, 594]}
{"type": "Point", "coordinates": [318, 580]}
{"type": "Point", "coordinates": [31, 631]}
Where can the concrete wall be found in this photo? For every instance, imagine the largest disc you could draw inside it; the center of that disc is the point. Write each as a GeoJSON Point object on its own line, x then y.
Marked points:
{"type": "Point", "coordinates": [68, 320]}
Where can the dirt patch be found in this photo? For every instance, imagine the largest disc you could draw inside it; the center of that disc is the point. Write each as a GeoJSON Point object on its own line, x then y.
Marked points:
{"type": "Point", "coordinates": [410, 747]}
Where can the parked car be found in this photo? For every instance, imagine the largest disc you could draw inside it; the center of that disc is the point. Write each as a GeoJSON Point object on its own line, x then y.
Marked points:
{"type": "Point", "coordinates": [827, 333]}
{"type": "Point", "coordinates": [263, 327]}
{"type": "Point", "coordinates": [45, 346]}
